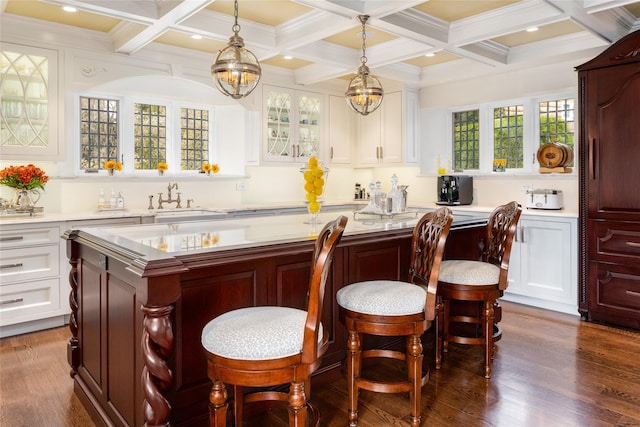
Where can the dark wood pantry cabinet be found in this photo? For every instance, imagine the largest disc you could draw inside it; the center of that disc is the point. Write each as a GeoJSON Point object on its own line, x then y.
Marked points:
{"type": "Point", "coordinates": [609, 151]}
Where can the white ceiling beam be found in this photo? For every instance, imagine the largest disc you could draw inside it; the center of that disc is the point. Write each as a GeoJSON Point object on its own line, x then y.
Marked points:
{"type": "Point", "coordinates": [309, 28]}
{"type": "Point", "coordinates": [499, 22]}
{"type": "Point", "coordinates": [169, 19]}
{"type": "Point", "coordinates": [610, 24]}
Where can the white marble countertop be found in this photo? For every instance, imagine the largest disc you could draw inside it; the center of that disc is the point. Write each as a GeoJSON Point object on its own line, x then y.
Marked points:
{"type": "Point", "coordinates": [194, 236]}
{"type": "Point", "coordinates": [150, 214]}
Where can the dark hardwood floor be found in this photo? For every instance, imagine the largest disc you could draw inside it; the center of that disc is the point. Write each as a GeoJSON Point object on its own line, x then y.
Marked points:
{"type": "Point", "coordinates": [550, 370]}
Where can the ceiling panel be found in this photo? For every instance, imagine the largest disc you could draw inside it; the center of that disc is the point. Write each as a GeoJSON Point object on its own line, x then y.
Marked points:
{"type": "Point", "coordinates": [268, 12]}
{"type": "Point", "coordinates": [54, 13]}
{"type": "Point", "coordinates": [543, 33]}
{"type": "Point", "coordinates": [454, 10]}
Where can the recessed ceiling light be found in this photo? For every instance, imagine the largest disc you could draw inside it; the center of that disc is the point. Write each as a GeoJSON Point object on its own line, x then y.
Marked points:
{"type": "Point", "coordinates": [532, 29]}
{"type": "Point", "coordinates": [430, 54]}
{"type": "Point", "coordinates": [196, 36]}
{"type": "Point", "coordinates": [287, 57]}
{"type": "Point", "coordinates": [69, 9]}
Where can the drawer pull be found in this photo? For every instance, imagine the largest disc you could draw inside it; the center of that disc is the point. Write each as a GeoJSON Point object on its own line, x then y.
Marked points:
{"type": "Point", "coordinates": [6, 239]}
{"type": "Point", "coordinates": [633, 293]}
{"type": "Point", "coordinates": [17, 264]}
{"type": "Point", "coordinates": [11, 301]}
{"type": "Point", "coordinates": [633, 244]}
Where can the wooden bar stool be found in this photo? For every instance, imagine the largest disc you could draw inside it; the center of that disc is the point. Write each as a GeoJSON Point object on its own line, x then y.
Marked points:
{"type": "Point", "coordinates": [395, 308]}
{"type": "Point", "coordinates": [480, 282]}
{"type": "Point", "coordinates": [270, 346]}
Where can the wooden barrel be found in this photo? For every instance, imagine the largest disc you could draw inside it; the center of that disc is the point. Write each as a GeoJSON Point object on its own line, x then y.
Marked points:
{"type": "Point", "coordinates": [554, 155]}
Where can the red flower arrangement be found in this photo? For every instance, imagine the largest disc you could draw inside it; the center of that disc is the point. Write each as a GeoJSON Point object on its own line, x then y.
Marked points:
{"type": "Point", "coordinates": [27, 177]}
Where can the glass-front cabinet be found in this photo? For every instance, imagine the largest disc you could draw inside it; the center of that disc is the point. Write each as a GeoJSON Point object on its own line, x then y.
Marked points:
{"type": "Point", "coordinates": [28, 87]}
{"type": "Point", "coordinates": [293, 120]}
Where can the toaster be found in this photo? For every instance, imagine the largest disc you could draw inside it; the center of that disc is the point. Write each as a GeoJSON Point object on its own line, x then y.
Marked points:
{"type": "Point", "coordinates": [544, 199]}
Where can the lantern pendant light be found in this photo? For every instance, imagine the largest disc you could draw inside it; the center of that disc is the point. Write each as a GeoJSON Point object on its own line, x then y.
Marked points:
{"type": "Point", "coordinates": [364, 93]}
{"type": "Point", "coordinates": [236, 70]}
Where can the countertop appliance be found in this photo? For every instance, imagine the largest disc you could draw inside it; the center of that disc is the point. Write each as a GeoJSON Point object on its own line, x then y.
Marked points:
{"type": "Point", "coordinates": [455, 190]}
{"type": "Point", "coordinates": [543, 198]}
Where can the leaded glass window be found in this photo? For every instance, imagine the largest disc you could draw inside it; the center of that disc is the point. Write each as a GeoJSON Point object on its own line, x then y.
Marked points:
{"type": "Point", "coordinates": [466, 139]}
{"type": "Point", "coordinates": [98, 132]}
{"type": "Point", "coordinates": [149, 135]}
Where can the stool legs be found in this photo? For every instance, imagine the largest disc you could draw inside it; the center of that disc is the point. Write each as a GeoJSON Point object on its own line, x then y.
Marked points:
{"type": "Point", "coordinates": [297, 405]}
{"type": "Point", "coordinates": [354, 350]}
{"type": "Point", "coordinates": [414, 365]}
{"type": "Point", "coordinates": [218, 405]}
{"type": "Point", "coordinates": [487, 318]}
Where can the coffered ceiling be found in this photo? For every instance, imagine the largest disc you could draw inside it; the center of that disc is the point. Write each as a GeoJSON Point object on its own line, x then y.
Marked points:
{"type": "Point", "coordinates": [462, 38]}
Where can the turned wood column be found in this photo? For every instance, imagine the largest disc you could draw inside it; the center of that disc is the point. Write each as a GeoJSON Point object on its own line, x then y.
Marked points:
{"type": "Point", "coordinates": [73, 351]}
{"type": "Point", "coordinates": [157, 377]}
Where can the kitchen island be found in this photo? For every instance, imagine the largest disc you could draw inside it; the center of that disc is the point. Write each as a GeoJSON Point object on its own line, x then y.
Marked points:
{"type": "Point", "coordinates": [140, 296]}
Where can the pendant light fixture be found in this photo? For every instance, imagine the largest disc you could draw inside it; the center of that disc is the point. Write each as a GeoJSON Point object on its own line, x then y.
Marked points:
{"type": "Point", "coordinates": [236, 70]}
{"type": "Point", "coordinates": [364, 93]}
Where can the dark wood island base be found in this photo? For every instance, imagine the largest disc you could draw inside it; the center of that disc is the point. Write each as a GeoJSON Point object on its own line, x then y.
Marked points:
{"type": "Point", "coordinates": [138, 312]}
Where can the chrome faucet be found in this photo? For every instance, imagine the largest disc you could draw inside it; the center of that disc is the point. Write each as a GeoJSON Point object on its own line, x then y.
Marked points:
{"type": "Point", "coordinates": [169, 199]}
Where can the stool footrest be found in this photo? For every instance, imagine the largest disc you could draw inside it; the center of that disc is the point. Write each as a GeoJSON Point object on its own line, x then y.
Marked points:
{"type": "Point", "coordinates": [387, 354]}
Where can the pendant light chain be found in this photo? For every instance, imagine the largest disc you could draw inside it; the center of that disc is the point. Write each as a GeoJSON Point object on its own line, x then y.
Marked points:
{"type": "Point", "coordinates": [236, 26]}
{"type": "Point", "coordinates": [363, 58]}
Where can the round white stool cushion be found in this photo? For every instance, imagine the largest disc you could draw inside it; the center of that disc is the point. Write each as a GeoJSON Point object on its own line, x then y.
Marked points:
{"type": "Point", "coordinates": [256, 333]}
{"type": "Point", "coordinates": [466, 272]}
{"type": "Point", "coordinates": [383, 297]}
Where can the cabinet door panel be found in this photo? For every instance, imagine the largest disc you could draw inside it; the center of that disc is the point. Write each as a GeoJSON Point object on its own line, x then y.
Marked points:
{"type": "Point", "coordinates": [615, 293]}
{"type": "Point", "coordinates": [616, 150]}
{"type": "Point", "coordinates": [341, 130]}
{"type": "Point", "coordinates": [227, 288]}
{"type": "Point", "coordinates": [615, 239]}
{"type": "Point", "coordinates": [546, 259]}
{"type": "Point", "coordinates": [121, 348]}
{"type": "Point", "coordinates": [377, 262]}
{"type": "Point", "coordinates": [91, 315]}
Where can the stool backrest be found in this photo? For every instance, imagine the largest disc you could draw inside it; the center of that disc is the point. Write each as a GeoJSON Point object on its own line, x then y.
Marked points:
{"type": "Point", "coordinates": [501, 230]}
{"type": "Point", "coordinates": [321, 260]}
{"type": "Point", "coordinates": [427, 248]}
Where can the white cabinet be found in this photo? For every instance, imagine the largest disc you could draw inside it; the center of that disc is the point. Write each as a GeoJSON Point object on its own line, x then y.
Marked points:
{"type": "Point", "coordinates": [29, 92]}
{"type": "Point", "coordinates": [381, 133]}
{"type": "Point", "coordinates": [30, 283]}
{"type": "Point", "coordinates": [543, 264]}
{"type": "Point", "coordinates": [293, 123]}
{"type": "Point", "coordinates": [34, 273]}
{"type": "Point", "coordinates": [341, 131]}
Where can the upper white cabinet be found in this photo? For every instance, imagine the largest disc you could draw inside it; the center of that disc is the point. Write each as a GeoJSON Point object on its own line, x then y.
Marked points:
{"type": "Point", "coordinates": [381, 133]}
{"type": "Point", "coordinates": [341, 131]}
{"type": "Point", "coordinates": [543, 263]}
{"type": "Point", "coordinates": [293, 122]}
{"type": "Point", "coordinates": [29, 90]}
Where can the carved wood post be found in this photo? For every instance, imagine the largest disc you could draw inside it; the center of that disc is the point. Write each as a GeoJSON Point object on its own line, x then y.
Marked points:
{"type": "Point", "coordinates": [73, 351]}
{"type": "Point", "coordinates": [157, 346]}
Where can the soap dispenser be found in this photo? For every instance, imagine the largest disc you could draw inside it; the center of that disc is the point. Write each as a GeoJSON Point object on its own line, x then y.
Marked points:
{"type": "Point", "coordinates": [101, 200]}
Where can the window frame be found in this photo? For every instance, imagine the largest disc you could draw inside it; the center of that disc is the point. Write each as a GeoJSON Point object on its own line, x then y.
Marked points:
{"type": "Point", "coordinates": [530, 137]}
{"type": "Point", "coordinates": [126, 133]}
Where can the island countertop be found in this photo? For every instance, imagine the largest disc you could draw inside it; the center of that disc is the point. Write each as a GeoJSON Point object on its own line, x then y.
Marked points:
{"type": "Point", "coordinates": [186, 237]}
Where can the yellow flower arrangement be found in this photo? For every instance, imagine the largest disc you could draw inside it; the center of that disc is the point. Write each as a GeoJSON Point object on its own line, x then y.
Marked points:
{"type": "Point", "coordinates": [210, 168]}
{"type": "Point", "coordinates": [162, 166]}
{"type": "Point", "coordinates": [113, 165]}
{"type": "Point", "coordinates": [313, 184]}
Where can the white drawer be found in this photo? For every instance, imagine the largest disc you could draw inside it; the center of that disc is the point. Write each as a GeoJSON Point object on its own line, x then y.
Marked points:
{"type": "Point", "coordinates": [13, 237]}
{"type": "Point", "coordinates": [30, 301]}
{"type": "Point", "coordinates": [22, 264]}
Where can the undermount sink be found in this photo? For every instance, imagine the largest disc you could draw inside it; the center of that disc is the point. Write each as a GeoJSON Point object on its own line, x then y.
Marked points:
{"type": "Point", "coordinates": [185, 214]}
